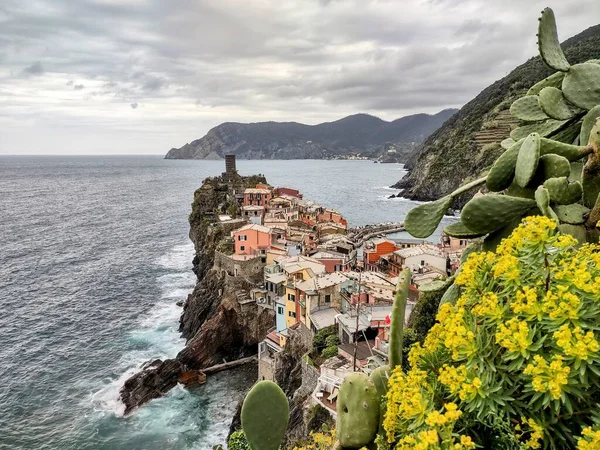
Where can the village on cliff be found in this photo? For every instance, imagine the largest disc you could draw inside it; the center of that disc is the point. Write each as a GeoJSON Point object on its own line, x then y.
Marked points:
{"type": "Point", "coordinates": [330, 284]}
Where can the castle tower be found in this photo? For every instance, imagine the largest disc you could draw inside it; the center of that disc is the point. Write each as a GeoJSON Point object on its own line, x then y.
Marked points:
{"type": "Point", "coordinates": [229, 165]}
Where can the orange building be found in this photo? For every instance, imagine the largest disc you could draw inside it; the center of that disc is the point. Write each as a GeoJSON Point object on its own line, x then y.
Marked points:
{"type": "Point", "coordinates": [375, 249]}
{"type": "Point", "coordinates": [252, 239]}
{"type": "Point", "coordinates": [330, 215]}
{"type": "Point", "coordinates": [257, 197]}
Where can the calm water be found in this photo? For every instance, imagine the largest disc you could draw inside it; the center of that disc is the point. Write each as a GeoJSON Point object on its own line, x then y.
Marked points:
{"type": "Point", "coordinates": [94, 254]}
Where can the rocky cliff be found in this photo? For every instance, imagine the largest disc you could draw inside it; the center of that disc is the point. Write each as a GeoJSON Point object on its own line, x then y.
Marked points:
{"type": "Point", "coordinates": [468, 143]}
{"type": "Point", "coordinates": [216, 326]}
{"type": "Point", "coordinates": [352, 135]}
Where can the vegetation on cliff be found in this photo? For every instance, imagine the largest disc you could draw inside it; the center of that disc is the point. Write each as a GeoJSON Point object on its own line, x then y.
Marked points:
{"type": "Point", "coordinates": [468, 143]}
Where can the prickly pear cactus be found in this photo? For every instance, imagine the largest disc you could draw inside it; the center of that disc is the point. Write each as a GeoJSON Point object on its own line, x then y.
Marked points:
{"type": "Point", "coordinates": [358, 410]}
{"type": "Point", "coordinates": [265, 413]}
{"type": "Point", "coordinates": [551, 164]}
{"type": "Point", "coordinates": [398, 312]}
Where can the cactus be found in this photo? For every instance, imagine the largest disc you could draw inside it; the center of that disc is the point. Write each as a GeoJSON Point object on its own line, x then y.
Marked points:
{"type": "Point", "coordinates": [552, 160]}
{"type": "Point", "coordinates": [527, 159]}
{"type": "Point", "coordinates": [398, 311]}
{"type": "Point", "coordinates": [554, 104]}
{"type": "Point", "coordinates": [265, 413]}
{"type": "Point", "coordinates": [358, 410]}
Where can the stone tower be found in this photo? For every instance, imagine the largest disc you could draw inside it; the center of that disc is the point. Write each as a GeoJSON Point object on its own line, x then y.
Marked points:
{"type": "Point", "coordinates": [229, 166]}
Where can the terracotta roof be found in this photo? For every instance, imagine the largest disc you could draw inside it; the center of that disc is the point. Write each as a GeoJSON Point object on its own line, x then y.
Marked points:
{"type": "Point", "coordinates": [253, 226]}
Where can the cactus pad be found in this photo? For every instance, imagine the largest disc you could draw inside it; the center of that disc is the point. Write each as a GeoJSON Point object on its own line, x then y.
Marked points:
{"type": "Point", "coordinates": [554, 104]}
{"type": "Point", "coordinates": [398, 313]}
{"type": "Point", "coordinates": [551, 166]}
{"type": "Point", "coordinates": [491, 212]}
{"type": "Point", "coordinates": [515, 190]}
{"type": "Point", "coordinates": [562, 192]}
{"type": "Point", "coordinates": [502, 172]}
{"type": "Point", "coordinates": [528, 108]}
{"type": "Point", "coordinates": [554, 80]}
{"type": "Point", "coordinates": [571, 152]}
{"type": "Point", "coordinates": [451, 295]}
{"type": "Point", "coordinates": [422, 221]}
{"type": "Point", "coordinates": [581, 85]}
{"type": "Point", "coordinates": [573, 214]}
{"type": "Point", "coordinates": [588, 123]}
{"type": "Point", "coordinates": [542, 198]}
{"type": "Point", "coordinates": [265, 413]}
{"type": "Point", "coordinates": [380, 377]}
{"type": "Point", "coordinates": [548, 43]}
{"type": "Point", "coordinates": [358, 410]}
{"type": "Point", "coordinates": [458, 230]}
{"type": "Point", "coordinates": [577, 231]}
{"type": "Point", "coordinates": [544, 129]}
{"type": "Point", "coordinates": [527, 159]}
{"type": "Point", "coordinates": [507, 143]}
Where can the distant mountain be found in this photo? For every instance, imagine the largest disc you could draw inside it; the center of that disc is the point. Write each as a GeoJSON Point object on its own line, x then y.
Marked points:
{"type": "Point", "coordinates": [469, 142]}
{"type": "Point", "coordinates": [356, 135]}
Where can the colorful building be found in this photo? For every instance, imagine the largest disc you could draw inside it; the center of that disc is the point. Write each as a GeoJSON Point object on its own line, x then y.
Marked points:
{"type": "Point", "coordinates": [252, 240]}
{"type": "Point", "coordinates": [257, 197]}
{"type": "Point", "coordinates": [287, 191]}
{"type": "Point", "coordinates": [374, 249]}
{"type": "Point", "coordinates": [335, 261]}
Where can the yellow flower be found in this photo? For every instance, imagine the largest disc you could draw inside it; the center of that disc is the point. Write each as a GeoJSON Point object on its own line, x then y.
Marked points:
{"type": "Point", "coordinates": [548, 377]}
{"type": "Point", "coordinates": [590, 439]}
{"type": "Point", "coordinates": [514, 336]}
{"type": "Point", "coordinates": [575, 343]}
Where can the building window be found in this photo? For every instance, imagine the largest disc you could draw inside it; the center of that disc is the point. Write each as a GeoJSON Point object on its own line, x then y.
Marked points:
{"type": "Point", "coordinates": [328, 298]}
{"type": "Point", "coordinates": [422, 262]}
{"type": "Point", "coordinates": [242, 248]}
{"type": "Point", "coordinates": [292, 314]}
{"type": "Point", "coordinates": [280, 310]}
{"type": "Point", "coordinates": [291, 298]}
{"type": "Point", "coordinates": [242, 237]}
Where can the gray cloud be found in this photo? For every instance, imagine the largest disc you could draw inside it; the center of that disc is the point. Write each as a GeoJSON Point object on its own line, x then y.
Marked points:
{"type": "Point", "coordinates": [35, 69]}
{"type": "Point", "coordinates": [205, 62]}
{"type": "Point", "coordinates": [79, 87]}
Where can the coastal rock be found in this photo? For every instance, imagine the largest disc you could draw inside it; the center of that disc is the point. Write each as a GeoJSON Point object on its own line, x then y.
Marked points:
{"type": "Point", "coordinates": [216, 326]}
{"type": "Point", "coordinates": [155, 380]}
{"type": "Point", "coordinates": [361, 134]}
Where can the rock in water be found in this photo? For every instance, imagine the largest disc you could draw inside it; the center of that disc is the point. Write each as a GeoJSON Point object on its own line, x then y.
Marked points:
{"type": "Point", "coordinates": [152, 382]}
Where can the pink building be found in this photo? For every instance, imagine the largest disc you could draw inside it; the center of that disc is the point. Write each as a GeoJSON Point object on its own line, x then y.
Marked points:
{"type": "Point", "coordinates": [252, 239]}
{"type": "Point", "coordinates": [287, 191]}
{"type": "Point", "coordinates": [257, 197]}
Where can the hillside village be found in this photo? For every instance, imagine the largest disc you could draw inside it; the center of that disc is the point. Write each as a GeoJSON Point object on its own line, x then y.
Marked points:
{"type": "Point", "coordinates": [321, 278]}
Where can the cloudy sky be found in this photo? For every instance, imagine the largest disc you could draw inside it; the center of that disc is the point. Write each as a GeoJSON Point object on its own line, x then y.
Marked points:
{"type": "Point", "coordinates": [142, 76]}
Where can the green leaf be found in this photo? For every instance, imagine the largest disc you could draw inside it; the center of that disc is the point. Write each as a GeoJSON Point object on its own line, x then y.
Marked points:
{"type": "Point", "coordinates": [527, 159]}
{"type": "Point", "coordinates": [548, 43]}
{"type": "Point", "coordinates": [423, 220]}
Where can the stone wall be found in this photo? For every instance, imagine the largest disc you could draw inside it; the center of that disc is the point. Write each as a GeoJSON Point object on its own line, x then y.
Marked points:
{"type": "Point", "coordinates": [251, 269]}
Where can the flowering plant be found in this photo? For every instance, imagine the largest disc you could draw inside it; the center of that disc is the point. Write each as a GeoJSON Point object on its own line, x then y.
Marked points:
{"type": "Point", "coordinates": [519, 348]}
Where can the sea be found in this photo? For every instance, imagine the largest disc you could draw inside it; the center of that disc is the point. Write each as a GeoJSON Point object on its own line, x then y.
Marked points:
{"type": "Point", "coordinates": [94, 256]}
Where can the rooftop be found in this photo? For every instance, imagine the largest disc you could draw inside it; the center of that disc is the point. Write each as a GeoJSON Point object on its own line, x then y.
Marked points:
{"type": "Point", "coordinates": [276, 278]}
{"type": "Point", "coordinates": [293, 264]}
{"type": "Point", "coordinates": [363, 349]}
{"type": "Point", "coordinates": [324, 318]}
{"type": "Point", "coordinates": [256, 191]}
{"type": "Point", "coordinates": [253, 226]}
{"type": "Point", "coordinates": [252, 208]}
{"type": "Point", "coordinates": [425, 249]}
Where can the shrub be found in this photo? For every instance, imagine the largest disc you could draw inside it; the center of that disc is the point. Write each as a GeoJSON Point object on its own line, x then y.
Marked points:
{"type": "Point", "coordinates": [422, 318]}
{"type": "Point", "coordinates": [332, 339]}
{"type": "Point", "coordinates": [490, 147]}
{"type": "Point", "coordinates": [238, 441]}
{"type": "Point", "coordinates": [318, 416]}
{"type": "Point", "coordinates": [319, 338]}
{"type": "Point", "coordinates": [329, 352]}
{"type": "Point", "coordinates": [519, 347]}
{"type": "Point", "coordinates": [489, 125]}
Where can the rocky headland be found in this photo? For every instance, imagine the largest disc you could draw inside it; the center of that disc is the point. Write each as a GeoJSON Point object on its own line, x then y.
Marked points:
{"type": "Point", "coordinates": [217, 326]}
{"type": "Point", "coordinates": [359, 135]}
